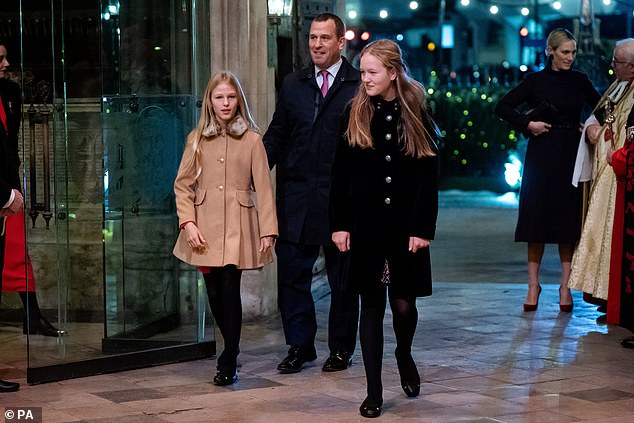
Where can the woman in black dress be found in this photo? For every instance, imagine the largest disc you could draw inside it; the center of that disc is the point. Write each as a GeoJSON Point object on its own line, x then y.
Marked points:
{"type": "Point", "coordinates": [550, 206]}
{"type": "Point", "coordinates": [383, 208]}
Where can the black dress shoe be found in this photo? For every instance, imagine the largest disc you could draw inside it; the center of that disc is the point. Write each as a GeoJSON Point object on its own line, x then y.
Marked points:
{"type": "Point", "coordinates": [223, 380]}
{"type": "Point", "coordinates": [6, 386]}
{"type": "Point", "coordinates": [294, 361]}
{"type": "Point", "coordinates": [39, 326]}
{"type": "Point", "coordinates": [410, 379]}
{"type": "Point", "coordinates": [337, 361]}
{"type": "Point", "coordinates": [370, 409]}
{"type": "Point", "coordinates": [628, 342]}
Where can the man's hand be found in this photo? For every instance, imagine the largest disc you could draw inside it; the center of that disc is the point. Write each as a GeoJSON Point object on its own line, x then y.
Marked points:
{"type": "Point", "coordinates": [609, 154]}
{"type": "Point", "coordinates": [592, 133]}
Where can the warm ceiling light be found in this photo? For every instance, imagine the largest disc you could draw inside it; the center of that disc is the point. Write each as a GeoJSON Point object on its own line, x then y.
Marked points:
{"type": "Point", "coordinates": [556, 5]}
{"type": "Point", "coordinates": [383, 14]}
{"type": "Point", "coordinates": [494, 10]}
{"type": "Point", "coordinates": [413, 5]}
{"type": "Point", "coordinates": [352, 14]}
{"type": "Point", "coordinates": [350, 35]}
{"type": "Point", "coordinates": [464, 2]}
{"type": "Point", "coordinates": [524, 11]}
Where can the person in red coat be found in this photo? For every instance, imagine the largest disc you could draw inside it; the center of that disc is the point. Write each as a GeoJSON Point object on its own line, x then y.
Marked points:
{"type": "Point", "coordinates": [621, 291]}
{"type": "Point", "coordinates": [11, 200]}
{"type": "Point", "coordinates": [17, 274]}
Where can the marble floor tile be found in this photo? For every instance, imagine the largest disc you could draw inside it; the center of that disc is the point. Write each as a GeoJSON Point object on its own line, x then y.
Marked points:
{"type": "Point", "coordinates": [479, 363]}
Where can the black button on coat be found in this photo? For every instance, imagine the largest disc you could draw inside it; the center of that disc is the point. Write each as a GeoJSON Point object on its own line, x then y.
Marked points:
{"type": "Point", "coordinates": [383, 197]}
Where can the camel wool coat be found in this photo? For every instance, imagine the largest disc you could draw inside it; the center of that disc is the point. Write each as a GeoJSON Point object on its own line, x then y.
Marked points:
{"type": "Point", "coordinates": [231, 202]}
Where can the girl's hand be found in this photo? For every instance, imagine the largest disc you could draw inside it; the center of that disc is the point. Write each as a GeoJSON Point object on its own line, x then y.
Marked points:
{"type": "Point", "coordinates": [416, 243]}
{"type": "Point", "coordinates": [266, 242]}
{"type": "Point", "coordinates": [341, 240]}
{"type": "Point", "coordinates": [194, 238]}
{"type": "Point", "coordinates": [538, 128]}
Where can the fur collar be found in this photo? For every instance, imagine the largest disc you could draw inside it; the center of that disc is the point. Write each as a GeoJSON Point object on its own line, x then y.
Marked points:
{"type": "Point", "coordinates": [235, 128]}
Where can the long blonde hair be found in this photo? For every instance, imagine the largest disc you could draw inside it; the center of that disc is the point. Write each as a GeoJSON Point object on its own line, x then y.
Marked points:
{"type": "Point", "coordinates": [415, 137]}
{"type": "Point", "coordinates": [208, 121]}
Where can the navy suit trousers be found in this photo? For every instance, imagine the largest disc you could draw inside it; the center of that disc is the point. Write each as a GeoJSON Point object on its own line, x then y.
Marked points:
{"type": "Point", "coordinates": [295, 273]}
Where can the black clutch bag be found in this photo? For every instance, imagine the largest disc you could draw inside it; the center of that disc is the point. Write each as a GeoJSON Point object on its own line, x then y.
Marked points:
{"type": "Point", "coordinates": [543, 112]}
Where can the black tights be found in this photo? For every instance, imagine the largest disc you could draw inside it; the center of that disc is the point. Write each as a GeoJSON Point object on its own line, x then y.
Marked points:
{"type": "Point", "coordinates": [223, 290]}
{"type": "Point", "coordinates": [405, 318]}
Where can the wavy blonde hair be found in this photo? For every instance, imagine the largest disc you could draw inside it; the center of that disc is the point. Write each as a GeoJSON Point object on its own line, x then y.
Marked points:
{"type": "Point", "coordinates": [208, 117]}
{"type": "Point", "coordinates": [416, 139]}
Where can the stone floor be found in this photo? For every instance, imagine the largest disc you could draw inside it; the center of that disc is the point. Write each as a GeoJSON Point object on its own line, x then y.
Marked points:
{"type": "Point", "coordinates": [482, 359]}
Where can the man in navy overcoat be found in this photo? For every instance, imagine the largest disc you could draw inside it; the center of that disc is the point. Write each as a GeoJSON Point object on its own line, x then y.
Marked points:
{"type": "Point", "coordinates": [300, 142]}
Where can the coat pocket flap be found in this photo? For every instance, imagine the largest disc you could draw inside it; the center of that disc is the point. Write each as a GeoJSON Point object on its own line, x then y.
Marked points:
{"type": "Point", "coordinates": [246, 198]}
{"type": "Point", "coordinates": [200, 196]}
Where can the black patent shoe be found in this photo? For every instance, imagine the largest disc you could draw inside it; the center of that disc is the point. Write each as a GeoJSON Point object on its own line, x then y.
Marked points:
{"type": "Point", "coordinates": [6, 386]}
{"type": "Point", "coordinates": [337, 361]}
{"type": "Point", "coordinates": [223, 380]}
{"type": "Point", "coordinates": [411, 389]}
{"type": "Point", "coordinates": [628, 342]}
{"type": "Point", "coordinates": [370, 409]}
{"type": "Point", "coordinates": [410, 379]}
{"type": "Point", "coordinates": [39, 326]}
{"type": "Point", "coordinates": [296, 358]}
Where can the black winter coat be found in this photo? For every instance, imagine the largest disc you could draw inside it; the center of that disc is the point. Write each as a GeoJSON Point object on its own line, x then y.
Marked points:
{"type": "Point", "coordinates": [5, 179]}
{"type": "Point", "coordinates": [9, 159]}
{"type": "Point", "coordinates": [550, 206]}
{"type": "Point", "coordinates": [301, 141]}
{"type": "Point", "coordinates": [382, 198]}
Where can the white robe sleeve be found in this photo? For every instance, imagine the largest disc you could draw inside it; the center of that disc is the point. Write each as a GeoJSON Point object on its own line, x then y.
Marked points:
{"type": "Point", "coordinates": [583, 163]}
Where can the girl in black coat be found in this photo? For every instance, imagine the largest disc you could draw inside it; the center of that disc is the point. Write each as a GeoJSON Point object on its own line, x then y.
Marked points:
{"type": "Point", "coordinates": [383, 208]}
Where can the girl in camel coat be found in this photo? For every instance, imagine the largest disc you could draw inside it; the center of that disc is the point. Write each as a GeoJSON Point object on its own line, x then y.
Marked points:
{"type": "Point", "coordinates": [226, 207]}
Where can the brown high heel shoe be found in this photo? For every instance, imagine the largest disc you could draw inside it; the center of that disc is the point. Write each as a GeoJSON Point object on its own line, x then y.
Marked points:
{"type": "Point", "coordinates": [565, 308]}
{"type": "Point", "coordinates": [533, 307]}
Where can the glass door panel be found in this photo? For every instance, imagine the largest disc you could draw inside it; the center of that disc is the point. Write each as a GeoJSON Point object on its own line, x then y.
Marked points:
{"type": "Point", "coordinates": [109, 91]}
{"type": "Point", "coordinates": [43, 143]}
{"type": "Point", "coordinates": [149, 107]}
{"type": "Point", "coordinates": [150, 298]}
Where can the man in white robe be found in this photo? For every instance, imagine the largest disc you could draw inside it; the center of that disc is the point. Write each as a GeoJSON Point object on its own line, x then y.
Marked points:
{"type": "Point", "coordinates": [591, 261]}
